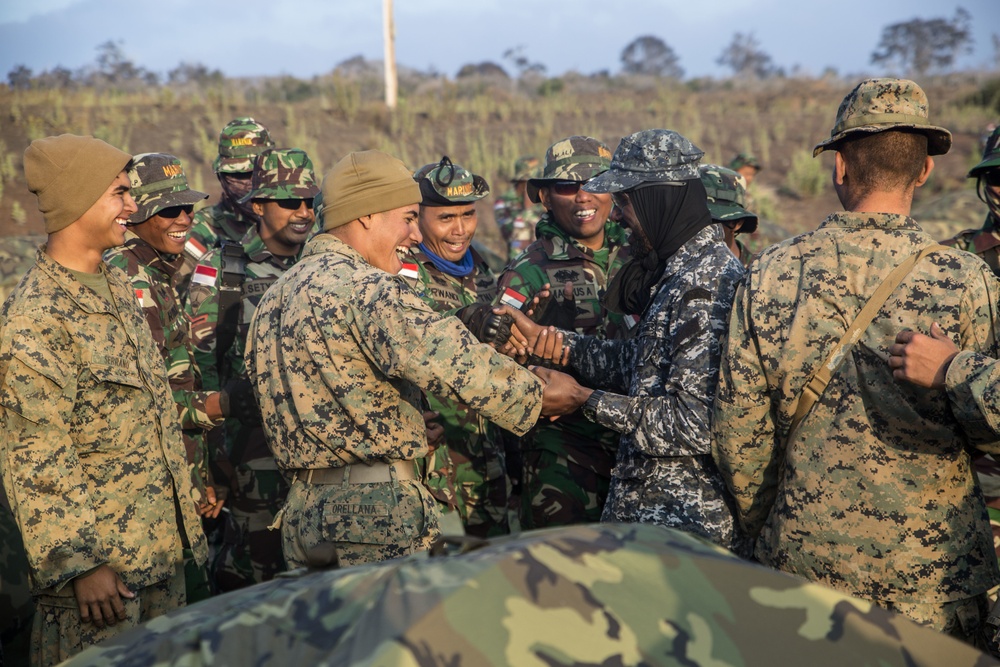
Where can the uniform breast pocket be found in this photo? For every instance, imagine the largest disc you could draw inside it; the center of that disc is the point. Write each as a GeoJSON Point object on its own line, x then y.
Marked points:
{"type": "Point", "coordinates": [106, 407]}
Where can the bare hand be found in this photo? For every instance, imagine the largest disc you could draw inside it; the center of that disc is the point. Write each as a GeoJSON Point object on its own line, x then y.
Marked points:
{"type": "Point", "coordinates": [537, 302]}
{"type": "Point", "coordinates": [99, 595]}
{"type": "Point", "coordinates": [549, 350]}
{"type": "Point", "coordinates": [561, 394]}
{"type": "Point", "coordinates": [435, 431]}
{"type": "Point", "coordinates": [210, 507]}
{"type": "Point", "coordinates": [922, 360]}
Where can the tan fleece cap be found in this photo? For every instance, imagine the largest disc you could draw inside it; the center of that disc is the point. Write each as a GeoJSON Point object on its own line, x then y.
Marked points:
{"type": "Point", "coordinates": [363, 183]}
{"type": "Point", "coordinates": [68, 174]}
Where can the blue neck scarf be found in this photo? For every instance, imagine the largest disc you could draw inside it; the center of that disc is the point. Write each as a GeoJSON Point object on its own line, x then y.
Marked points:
{"type": "Point", "coordinates": [457, 269]}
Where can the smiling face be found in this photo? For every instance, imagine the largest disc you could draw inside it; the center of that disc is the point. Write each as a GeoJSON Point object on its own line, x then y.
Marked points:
{"type": "Point", "coordinates": [390, 231]}
{"type": "Point", "coordinates": [285, 224]}
{"type": "Point", "coordinates": [103, 225]}
{"type": "Point", "coordinates": [448, 230]}
{"type": "Point", "coordinates": [167, 230]}
{"type": "Point", "coordinates": [579, 213]}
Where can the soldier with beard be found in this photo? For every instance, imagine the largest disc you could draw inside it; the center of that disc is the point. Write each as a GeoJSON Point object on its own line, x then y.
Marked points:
{"type": "Point", "coordinates": [225, 288]}
{"type": "Point", "coordinates": [240, 142]}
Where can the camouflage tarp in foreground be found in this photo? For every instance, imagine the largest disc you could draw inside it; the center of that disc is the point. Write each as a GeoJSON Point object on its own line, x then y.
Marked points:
{"type": "Point", "coordinates": [602, 594]}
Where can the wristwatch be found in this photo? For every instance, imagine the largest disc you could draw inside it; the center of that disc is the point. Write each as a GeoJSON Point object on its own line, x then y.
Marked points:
{"type": "Point", "coordinates": [590, 407]}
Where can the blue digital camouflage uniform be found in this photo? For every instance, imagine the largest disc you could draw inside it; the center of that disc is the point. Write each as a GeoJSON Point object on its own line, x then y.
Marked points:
{"type": "Point", "coordinates": [664, 379]}
{"type": "Point", "coordinates": [339, 353]}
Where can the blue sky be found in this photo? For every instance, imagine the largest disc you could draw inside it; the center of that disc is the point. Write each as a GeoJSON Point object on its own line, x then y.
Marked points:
{"type": "Point", "coordinates": [309, 37]}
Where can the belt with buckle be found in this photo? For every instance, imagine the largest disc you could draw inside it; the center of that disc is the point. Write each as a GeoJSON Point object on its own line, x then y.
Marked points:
{"type": "Point", "coordinates": [359, 473]}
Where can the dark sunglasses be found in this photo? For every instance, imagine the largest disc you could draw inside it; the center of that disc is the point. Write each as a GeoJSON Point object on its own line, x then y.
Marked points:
{"type": "Point", "coordinates": [620, 199]}
{"type": "Point", "coordinates": [174, 211]}
{"type": "Point", "coordinates": [992, 178]}
{"type": "Point", "coordinates": [293, 204]}
{"type": "Point", "coordinates": [566, 188]}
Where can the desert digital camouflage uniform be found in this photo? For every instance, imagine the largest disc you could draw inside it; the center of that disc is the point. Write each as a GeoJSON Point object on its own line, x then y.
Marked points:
{"type": "Point", "coordinates": [349, 392]}
{"type": "Point", "coordinates": [873, 494]}
{"type": "Point", "coordinates": [665, 377]}
{"type": "Point", "coordinates": [517, 222]}
{"type": "Point", "coordinates": [608, 594]}
{"type": "Point", "coordinates": [468, 471]}
{"type": "Point", "coordinates": [240, 142]}
{"type": "Point", "coordinates": [985, 242]}
{"type": "Point", "coordinates": [568, 462]}
{"type": "Point", "coordinates": [250, 552]}
{"type": "Point", "coordinates": [872, 450]}
{"type": "Point", "coordinates": [88, 426]}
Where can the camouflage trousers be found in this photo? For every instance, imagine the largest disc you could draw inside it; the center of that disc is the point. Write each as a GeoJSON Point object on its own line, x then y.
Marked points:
{"type": "Point", "coordinates": [475, 484]}
{"type": "Point", "coordinates": [364, 523]}
{"type": "Point", "coordinates": [962, 619]}
{"type": "Point", "coordinates": [249, 553]}
{"type": "Point", "coordinates": [58, 633]}
{"type": "Point", "coordinates": [16, 605]}
{"type": "Point", "coordinates": [683, 492]}
{"type": "Point", "coordinates": [564, 483]}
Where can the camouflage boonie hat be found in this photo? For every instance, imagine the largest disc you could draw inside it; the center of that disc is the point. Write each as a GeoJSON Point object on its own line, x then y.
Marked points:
{"type": "Point", "coordinates": [525, 168]}
{"type": "Point", "coordinates": [242, 140]}
{"type": "Point", "coordinates": [285, 173]}
{"type": "Point", "coordinates": [991, 155]}
{"type": "Point", "coordinates": [877, 105]}
{"type": "Point", "coordinates": [745, 160]}
{"type": "Point", "coordinates": [649, 156]}
{"type": "Point", "coordinates": [446, 184]}
{"type": "Point", "coordinates": [575, 158]}
{"type": "Point", "coordinates": [726, 190]}
{"type": "Point", "coordinates": [157, 181]}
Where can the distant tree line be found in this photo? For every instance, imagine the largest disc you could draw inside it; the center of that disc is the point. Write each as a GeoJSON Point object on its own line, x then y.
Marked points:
{"type": "Point", "coordinates": [915, 47]}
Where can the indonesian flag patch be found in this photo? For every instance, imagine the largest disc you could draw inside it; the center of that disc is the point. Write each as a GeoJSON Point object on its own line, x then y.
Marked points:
{"type": "Point", "coordinates": [143, 297]}
{"type": "Point", "coordinates": [194, 248]}
{"type": "Point", "coordinates": [513, 299]}
{"type": "Point", "coordinates": [409, 270]}
{"type": "Point", "coordinates": [204, 275]}
{"type": "Point", "coordinates": [631, 321]}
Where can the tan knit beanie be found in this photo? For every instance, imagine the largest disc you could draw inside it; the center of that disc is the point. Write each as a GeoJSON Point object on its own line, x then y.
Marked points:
{"type": "Point", "coordinates": [68, 174]}
{"type": "Point", "coordinates": [364, 183]}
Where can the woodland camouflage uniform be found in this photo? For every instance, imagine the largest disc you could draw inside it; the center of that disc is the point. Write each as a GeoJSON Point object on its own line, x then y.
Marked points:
{"type": "Point", "coordinates": [517, 222]}
{"type": "Point", "coordinates": [250, 553]}
{"type": "Point", "coordinates": [468, 471]}
{"type": "Point", "coordinates": [158, 182]}
{"type": "Point", "coordinates": [727, 202]}
{"type": "Point", "coordinates": [240, 142]}
{"type": "Point", "coordinates": [874, 494]}
{"type": "Point", "coordinates": [664, 377]}
{"type": "Point", "coordinates": [567, 463]}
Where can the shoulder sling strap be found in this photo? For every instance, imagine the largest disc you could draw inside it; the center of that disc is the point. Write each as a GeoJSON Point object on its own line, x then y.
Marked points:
{"type": "Point", "coordinates": [821, 377]}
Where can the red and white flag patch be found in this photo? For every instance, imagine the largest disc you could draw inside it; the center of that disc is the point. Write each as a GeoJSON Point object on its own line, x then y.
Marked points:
{"type": "Point", "coordinates": [144, 298]}
{"type": "Point", "coordinates": [204, 275]}
{"type": "Point", "coordinates": [410, 270]}
{"type": "Point", "coordinates": [513, 299]}
{"type": "Point", "coordinates": [194, 248]}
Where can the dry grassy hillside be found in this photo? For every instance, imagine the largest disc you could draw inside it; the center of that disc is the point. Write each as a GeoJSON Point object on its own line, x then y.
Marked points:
{"type": "Point", "coordinates": [485, 125]}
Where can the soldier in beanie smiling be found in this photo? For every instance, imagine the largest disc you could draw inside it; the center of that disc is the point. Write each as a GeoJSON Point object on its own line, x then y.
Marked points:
{"type": "Point", "coordinates": [340, 350]}
{"type": "Point", "coordinates": [92, 457]}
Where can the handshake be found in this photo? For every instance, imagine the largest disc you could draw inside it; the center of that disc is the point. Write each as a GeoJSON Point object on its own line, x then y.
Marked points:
{"type": "Point", "coordinates": [514, 333]}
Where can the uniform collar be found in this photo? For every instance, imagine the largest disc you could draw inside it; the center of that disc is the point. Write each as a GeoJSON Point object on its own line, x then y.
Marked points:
{"type": "Point", "coordinates": [83, 296]}
{"type": "Point", "coordinates": [852, 220]}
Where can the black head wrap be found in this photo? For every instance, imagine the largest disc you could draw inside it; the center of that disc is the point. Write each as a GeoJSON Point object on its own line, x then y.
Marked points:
{"type": "Point", "coordinates": [670, 214]}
